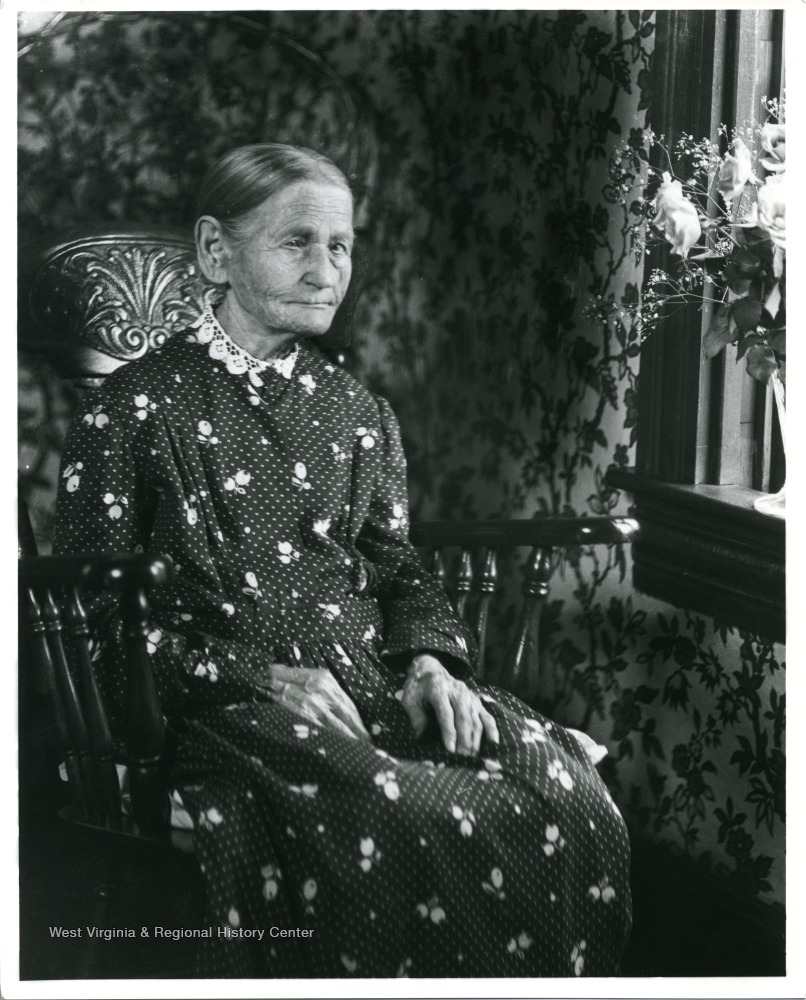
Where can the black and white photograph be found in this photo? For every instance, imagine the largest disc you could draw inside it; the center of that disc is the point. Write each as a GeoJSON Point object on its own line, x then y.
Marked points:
{"type": "Point", "coordinates": [402, 501]}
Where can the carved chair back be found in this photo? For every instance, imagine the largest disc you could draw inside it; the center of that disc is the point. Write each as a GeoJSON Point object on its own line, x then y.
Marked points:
{"type": "Point", "coordinates": [95, 299]}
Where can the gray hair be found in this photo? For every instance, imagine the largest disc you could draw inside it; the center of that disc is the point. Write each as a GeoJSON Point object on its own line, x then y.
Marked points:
{"type": "Point", "coordinates": [243, 178]}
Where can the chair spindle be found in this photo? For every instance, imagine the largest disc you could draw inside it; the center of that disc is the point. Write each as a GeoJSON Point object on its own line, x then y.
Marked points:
{"type": "Point", "coordinates": [51, 662]}
{"type": "Point", "coordinates": [45, 680]}
{"type": "Point", "coordinates": [487, 582]}
{"type": "Point", "coordinates": [144, 723]}
{"type": "Point", "coordinates": [546, 538]}
{"type": "Point", "coordinates": [76, 721]}
{"type": "Point", "coordinates": [438, 567]}
{"type": "Point", "coordinates": [464, 582]}
{"type": "Point", "coordinates": [100, 737]}
{"type": "Point", "coordinates": [522, 675]}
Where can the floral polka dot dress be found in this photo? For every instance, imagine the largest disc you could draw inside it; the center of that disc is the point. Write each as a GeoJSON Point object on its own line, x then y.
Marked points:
{"type": "Point", "coordinates": [279, 490]}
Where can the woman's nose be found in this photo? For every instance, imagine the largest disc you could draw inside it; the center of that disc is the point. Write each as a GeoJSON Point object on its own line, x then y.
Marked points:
{"type": "Point", "coordinates": [320, 269]}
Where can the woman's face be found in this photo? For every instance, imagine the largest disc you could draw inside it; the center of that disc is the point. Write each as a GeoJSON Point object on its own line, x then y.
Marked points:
{"type": "Point", "coordinates": [290, 270]}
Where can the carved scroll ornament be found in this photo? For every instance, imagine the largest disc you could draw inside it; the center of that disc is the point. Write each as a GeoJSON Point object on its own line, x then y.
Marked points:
{"type": "Point", "coordinates": [96, 304]}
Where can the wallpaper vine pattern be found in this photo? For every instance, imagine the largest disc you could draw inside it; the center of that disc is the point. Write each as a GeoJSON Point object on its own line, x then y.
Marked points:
{"type": "Point", "coordinates": [496, 260]}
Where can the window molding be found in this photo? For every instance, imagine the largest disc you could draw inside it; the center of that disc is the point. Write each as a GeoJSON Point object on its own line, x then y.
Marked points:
{"type": "Point", "coordinates": [702, 545]}
{"type": "Point", "coordinates": [673, 374]}
{"type": "Point", "coordinates": [707, 549]}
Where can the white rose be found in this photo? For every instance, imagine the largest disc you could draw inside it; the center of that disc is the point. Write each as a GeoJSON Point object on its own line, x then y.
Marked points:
{"type": "Point", "coordinates": [773, 142]}
{"type": "Point", "coordinates": [677, 216]}
{"type": "Point", "coordinates": [772, 209]}
{"type": "Point", "coordinates": [735, 171]}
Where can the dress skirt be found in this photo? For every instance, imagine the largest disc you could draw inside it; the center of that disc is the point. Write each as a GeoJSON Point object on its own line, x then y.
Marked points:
{"type": "Point", "coordinates": [396, 857]}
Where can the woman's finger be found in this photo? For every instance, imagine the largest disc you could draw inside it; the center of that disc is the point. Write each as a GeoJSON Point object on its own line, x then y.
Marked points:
{"type": "Point", "coordinates": [342, 705]}
{"type": "Point", "coordinates": [478, 730]}
{"type": "Point", "coordinates": [413, 705]}
{"type": "Point", "coordinates": [490, 726]}
{"type": "Point", "coordinates": [308, 678]}
{"type": "Point", "coordinates": [282, 672]}
{"type": "Point", "coordinates": [438, 699]}
{"type": "Point", "coordinates": [332, 721]}
{"type": "Point", "coordinates": [463, 722]}
{"type": "Point", "coordinates": [298, 707]}
{"type": "Point", "coordinates": [344, 709]}
{"type": "Point", "coordinates": [320, 708]}
{"type": "Point", "coordinates": [306, 713]}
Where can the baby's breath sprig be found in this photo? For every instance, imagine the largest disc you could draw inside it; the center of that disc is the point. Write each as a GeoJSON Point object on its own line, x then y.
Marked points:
{"type": "Point", "coordinates": [721, 207]}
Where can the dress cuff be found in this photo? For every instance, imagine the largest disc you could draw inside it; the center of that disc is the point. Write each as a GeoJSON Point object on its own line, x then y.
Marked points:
{"type": "Point", "coordinates": [456, 665]}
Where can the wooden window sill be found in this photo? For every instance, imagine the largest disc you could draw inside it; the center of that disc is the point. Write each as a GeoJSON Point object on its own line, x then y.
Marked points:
{"type": "Point", "coordinates": [706, 548]}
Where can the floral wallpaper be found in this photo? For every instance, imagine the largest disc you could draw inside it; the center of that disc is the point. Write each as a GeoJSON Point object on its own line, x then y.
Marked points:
{"type": "Point", "coordinates": [495, 259]}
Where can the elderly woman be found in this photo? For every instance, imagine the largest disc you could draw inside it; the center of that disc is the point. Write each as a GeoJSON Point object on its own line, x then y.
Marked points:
{"type": "Point", "coordinates": [356, 794]}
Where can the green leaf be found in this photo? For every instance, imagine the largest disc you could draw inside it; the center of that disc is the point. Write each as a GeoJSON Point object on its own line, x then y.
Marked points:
{"type": "Point", "coordinates": [747, 313]}
{"type": "Point", "coordinates": [740, 286]}
{"type": "Point", "coordinates": [745, 343]}
{"type": "Point", "coordinates": [719, 333]}
{"type": "Point", "coordinates": [761, 363]}
{"type": "Point", "coordinates": [777, 341]}
{"type": "Point", "coordinates": [756, 237]}
{"type": "Point", "coordinates": [747, 263]}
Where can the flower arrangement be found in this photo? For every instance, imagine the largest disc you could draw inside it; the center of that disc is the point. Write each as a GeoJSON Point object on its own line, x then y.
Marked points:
{"type": "Point", "coordinates": [730, 210]}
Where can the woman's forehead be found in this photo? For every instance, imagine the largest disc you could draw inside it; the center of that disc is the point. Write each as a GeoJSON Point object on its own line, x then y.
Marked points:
{"type": "Point", "coordinates": [307, 204]}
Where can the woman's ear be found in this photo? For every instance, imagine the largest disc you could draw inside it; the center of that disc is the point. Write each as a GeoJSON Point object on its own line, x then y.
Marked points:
{"type": "Point", "coordinates": [211, 250]}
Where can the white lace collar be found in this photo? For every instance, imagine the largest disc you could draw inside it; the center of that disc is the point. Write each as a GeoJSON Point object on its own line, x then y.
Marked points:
{"type": "Point", "coordinates": [223, 348]}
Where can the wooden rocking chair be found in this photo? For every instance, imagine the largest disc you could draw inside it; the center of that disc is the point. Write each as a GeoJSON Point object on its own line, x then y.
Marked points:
{"type": "Point", "coordinates": [91, 301]}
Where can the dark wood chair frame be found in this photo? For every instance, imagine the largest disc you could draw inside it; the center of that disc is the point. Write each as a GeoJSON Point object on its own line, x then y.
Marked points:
{"type": "Point", "coordinates": [61, 655]}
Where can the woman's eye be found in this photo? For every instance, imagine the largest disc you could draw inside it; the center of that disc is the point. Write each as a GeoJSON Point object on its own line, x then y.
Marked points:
{"type": "Point", "coordinates": [296, 243]}
{"type": "Point", "coordinates": [342, 249]}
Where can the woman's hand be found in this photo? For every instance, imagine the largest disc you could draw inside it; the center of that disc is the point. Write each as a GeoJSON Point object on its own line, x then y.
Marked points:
{"type": "Point", "coordinates": [317, 696]}
{"type": "Point", "coordinates": [462, 717]}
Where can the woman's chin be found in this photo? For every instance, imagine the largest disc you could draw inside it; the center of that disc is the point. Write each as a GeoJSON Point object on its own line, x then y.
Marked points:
{"type": "Point", "coordinates": [310, 333]}
{"type": "Point", "coordinates": [314, 327]}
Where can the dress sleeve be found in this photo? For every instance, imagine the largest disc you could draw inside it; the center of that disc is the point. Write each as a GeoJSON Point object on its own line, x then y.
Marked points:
{"type": "Point", "coordinates": [105, 505]}
{"type": "Point", "coordinates": [100, 491]}
{"type": "Point", "coordinates": [416, 611]}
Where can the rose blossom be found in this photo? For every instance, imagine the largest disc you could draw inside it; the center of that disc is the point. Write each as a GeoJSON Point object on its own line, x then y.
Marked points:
{"type": "Point", "coordinates": [772, 209]}
{"type": "Point", "coordinates": [677, 215]}
{"type": "Point", "coordinates": [735, 171]}
{"type": "Point", "coordinates": [773, 142]}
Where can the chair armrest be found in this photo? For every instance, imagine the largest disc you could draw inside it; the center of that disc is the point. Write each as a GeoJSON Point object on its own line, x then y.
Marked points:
{"type": "Point", "coordinates": [539, 532]}
{"type": "Point", "coordinates": [119, 571]}
{"type": "Point", "coordinates": [542, 535]}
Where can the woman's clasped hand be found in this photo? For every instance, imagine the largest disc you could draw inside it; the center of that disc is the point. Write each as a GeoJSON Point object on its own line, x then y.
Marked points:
{"type": "Point", "coordinates": [317, 696]}
{"type": "Point", "coordinates": [460, 713]}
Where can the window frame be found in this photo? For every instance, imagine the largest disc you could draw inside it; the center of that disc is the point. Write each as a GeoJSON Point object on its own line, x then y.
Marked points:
{"type": "Point", "coordinates": [702, 544]}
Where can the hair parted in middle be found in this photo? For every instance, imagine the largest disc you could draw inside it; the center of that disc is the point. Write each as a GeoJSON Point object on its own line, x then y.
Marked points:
{"type": "Point", "coordinates": [243, 178]}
